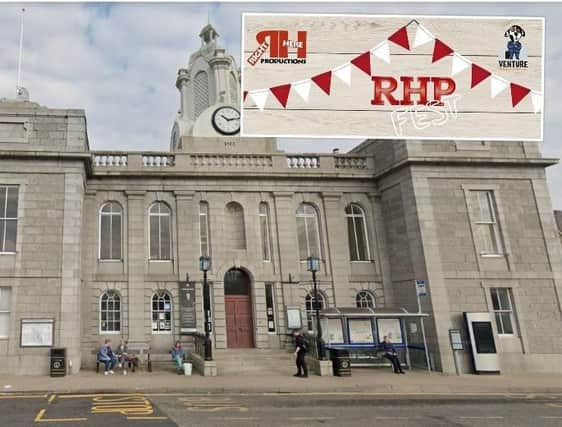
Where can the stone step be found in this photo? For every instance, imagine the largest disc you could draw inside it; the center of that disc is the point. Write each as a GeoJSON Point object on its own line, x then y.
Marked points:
{"type": "Point", "coordinates": [254, 361]}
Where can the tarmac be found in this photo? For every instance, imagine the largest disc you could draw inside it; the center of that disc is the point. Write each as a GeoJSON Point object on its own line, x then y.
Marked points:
{"type": "Point", "coordinates": [362, 381]}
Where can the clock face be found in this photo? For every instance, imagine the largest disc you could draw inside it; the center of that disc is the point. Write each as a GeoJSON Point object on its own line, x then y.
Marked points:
{"type": "Point", "coordinates": [226, 120]}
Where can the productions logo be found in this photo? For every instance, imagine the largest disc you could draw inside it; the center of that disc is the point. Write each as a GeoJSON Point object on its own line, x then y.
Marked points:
{"type": "Point", "coordinates": [514, 55]}
{"type": "Point", "coordinates": [282, 50]}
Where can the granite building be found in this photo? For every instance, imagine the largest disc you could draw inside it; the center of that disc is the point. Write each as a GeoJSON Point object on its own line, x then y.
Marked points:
{"type": "Point", "coordinates": [95, 243]}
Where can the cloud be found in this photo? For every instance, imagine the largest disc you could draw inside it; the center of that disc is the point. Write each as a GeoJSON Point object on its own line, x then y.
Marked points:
{"type": "Point", "coordinates": [118, 61]}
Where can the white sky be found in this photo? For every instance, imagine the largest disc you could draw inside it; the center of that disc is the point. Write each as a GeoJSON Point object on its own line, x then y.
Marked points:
{"type": "Point", "coordinates": [118, 61]}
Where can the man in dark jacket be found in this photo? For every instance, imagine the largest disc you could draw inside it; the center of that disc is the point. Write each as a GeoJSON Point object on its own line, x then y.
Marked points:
{"type": "Point", "coordinates": [300, 352]}
{"type": "Point", "coordinates": [390, 354]}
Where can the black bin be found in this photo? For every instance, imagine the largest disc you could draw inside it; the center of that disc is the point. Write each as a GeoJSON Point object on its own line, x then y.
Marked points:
{"type": "Point", "coordinates": [58, 362]}
{"type": "Point", "coordinates": [340, 362]}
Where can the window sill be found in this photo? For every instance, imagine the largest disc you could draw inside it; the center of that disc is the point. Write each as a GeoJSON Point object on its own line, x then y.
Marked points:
{"type": "Point", "coordinates": [508, 336]}
{"type": "Point", "coordinates": [361, 261]}
{"type": "Point", "coordinates": [8, 253]}
{"type": "Point", "coordinates": [159, 260]}
{"type": "Point", "coordinates": [110, 332]}
{"type": "Point", "coordinates": [492, 255]}
{"type": "Point", "coordinates": [109, 260]}
{"type": "Point", "coordinates": [161, 332]}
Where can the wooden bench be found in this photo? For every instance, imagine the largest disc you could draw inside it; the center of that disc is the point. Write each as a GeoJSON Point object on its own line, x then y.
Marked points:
{"type": "Point", "coordinates": [139, 352]}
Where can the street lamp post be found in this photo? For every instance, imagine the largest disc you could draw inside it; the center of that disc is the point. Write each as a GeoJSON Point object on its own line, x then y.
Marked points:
{"type": "Point", "coordinates": [204, 266]}
{"type": "Point", "coordinates": [312, 266]}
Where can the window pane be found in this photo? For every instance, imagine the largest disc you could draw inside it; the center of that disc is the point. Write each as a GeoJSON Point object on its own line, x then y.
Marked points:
{"type": "Point", "coordinates": [3, 191]}
{"type": "Point", "coordinates": [11, 231]}
{"type": "Point", "coordinates": [116, 237]}
{"type": "Point", "coordinates": [485, 212]}
{"type": "Point", "coordinates": [504, 299]}
{"type": "Point", "coordinates": [361, 239]}
{"type": "Point", "coordinates": [117, 327]}
{"type": "Point", "coordinates": [495, 301]}
{"type": "Point", "coordinates": [105, 242]}
{"type": "Point", "coordinates": [5, 298]}
{"type": "Point", "coordinates": [154, 242]}
{"type": "Point", "coordinates": [312, 228]}
{"type": "Point", "coordinates": [353, 255]}
{"type": "Point", "coordinates": [165, 237]}
{"type": "Point", "coordinates": [204, 233]}
{"type": "Point", "coordinates": [264, 237]}
{"type": "Point", "coordinates": [301, 233]}
{"type": "Point", "coordinates": [484, 238]}
{"type": "Point", "coordinates": [507, 324]}
{"type": "Point", "coordinates": [12, 208]}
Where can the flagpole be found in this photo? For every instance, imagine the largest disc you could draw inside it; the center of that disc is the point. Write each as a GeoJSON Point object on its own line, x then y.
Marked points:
{"type": "Point", "coordinates": [21, 50]}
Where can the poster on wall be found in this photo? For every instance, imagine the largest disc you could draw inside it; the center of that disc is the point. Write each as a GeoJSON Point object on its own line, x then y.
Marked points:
{"type": "Point", "coordinates": [332, 331]}
{"type": "Point", "coordinates": [36, 332]}
{"type": "Point", "coordinates": [188, 321]}
{"type": "Point", "coordinates": [392, 77]}
{"type": "Point", "coordinates": [294, 320]}
{"type": "Point", "coordinates": [360, 331]}
{"type": "Point", "coordinates": [391, 329]}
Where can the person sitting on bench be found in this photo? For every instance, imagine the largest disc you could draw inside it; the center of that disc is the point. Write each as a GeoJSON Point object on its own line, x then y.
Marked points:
{"type": "Point", "coordinates": [390, 354]}
{"type": "Point", "coordinates": [177, 356]}
{"type": "Point", "coordinates": [106, 356]}
{"type": "Point", "coordinates": [124, 356]}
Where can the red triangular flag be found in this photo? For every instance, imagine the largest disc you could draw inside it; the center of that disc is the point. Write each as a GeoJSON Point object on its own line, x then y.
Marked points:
{"type": "Point", "coordinates": [281, 93]}
{"type": "Point", "coordinates": [400, 37]}
{"type": "Point", "coordinates": [478, 75]}
{"type": "Point", "coordinates": [323, 81]}
{"type": "Point", "coordinates": [245, 95]}
{"type": "Point", "coordinates": [363, 62]}
{"type": "Point", "coordinates": [440, 50]}
{"type": "Point", "coordinates": [518, 93]}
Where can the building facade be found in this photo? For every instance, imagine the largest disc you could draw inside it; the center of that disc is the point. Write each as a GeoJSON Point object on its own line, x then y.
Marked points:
{"type": "Point", "coordinates": [96, 242]}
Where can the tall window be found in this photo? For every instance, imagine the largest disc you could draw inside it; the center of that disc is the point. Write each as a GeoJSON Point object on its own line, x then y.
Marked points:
{"type": "Point", "coordinates": [365, 299]}
{"type": "Point", "coordinates": [110, 312]}
{"type": "Point", "coordinates": [264, 231]}
{"type": "Point", "coordinates": [8, 218]}
{"type": "Point", "coordinates": [486, 228]}
{"type": "Point", "coordinates": [161, 312]}
{"type": "Point", "coordinates": [110, 231]}
{"type": "Point", "coordinates": [160, 232]}
{"type": "Point", "coordinates": [503, 310]}
{"type": "Point", "coordinates": [307, 231]}
{"type": "Point", "coordinates": [235, 227]}
{"type": "Point", "coordinates": [357, 233]}
{"type": "Point", "coordinates": [204, 234]}
{"type": "Point", "coordinates": [5, 307]}
{"type": "Point", "coordinates": [270, 306]}
{"type": "Point", "coordinates": [310, 305]}
{"type": "Point", "coordinates": [200, 92]}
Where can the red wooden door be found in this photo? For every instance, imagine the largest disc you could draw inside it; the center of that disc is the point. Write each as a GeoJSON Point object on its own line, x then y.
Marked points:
{"type": "Point", "coordinates": [239, 325]}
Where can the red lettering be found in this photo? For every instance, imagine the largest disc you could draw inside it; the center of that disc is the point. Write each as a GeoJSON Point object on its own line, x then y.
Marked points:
{"type": "Point", "coordinates": [439, 90]}
{"type": "Point", "coordinates": [385, 86]}
{"type": "Point", "coordinates": [409, 90]}
{"type": "Point", "coordinates": [386, 91]}
{"type": "Point", "coordinates": [279, 43]}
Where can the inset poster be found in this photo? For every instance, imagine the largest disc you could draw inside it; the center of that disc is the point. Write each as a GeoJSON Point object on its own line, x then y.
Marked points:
{"type": "Point", "coordinates": [360, 331]}
{"type": "Point", "coordinates": [391, 329]}
{"type": "Point", "coordinates": [332, 331]}
{"type": "Point", "coordinates": [392, 77]}
{"type": "Point", "coordinates": [36, 333]}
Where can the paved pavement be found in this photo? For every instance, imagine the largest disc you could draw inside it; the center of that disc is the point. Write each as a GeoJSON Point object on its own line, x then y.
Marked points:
{"type": "Point", "coordinates": [379, 381]}
{"type": "Point", "coordinates": [276, 410]}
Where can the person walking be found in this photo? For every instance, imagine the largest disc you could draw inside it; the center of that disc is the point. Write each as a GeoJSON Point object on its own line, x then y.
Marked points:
{"type": "Point", "coordinates": [177, 356]}
{"type": "Point", "coordinates": [390, 354]}
{"type": "Point", "coordinates": [106, 356]}
{"type": "Point", "coordinates": [301, 348]}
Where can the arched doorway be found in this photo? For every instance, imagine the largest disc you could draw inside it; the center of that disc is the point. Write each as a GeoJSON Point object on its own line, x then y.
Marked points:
{"type": "Point", "coordinates": [238, 309]}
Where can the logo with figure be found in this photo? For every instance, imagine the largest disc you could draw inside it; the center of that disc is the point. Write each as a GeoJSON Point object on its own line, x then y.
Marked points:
{"type": "Point", "coordinates": [514, 55]}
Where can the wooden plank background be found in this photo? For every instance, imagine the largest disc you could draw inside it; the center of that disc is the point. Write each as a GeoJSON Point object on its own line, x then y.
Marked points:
{"type": "Point", "coordinates": [335, 40]}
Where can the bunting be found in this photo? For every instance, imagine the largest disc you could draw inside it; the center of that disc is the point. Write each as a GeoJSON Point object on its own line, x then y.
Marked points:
{"type": "Point", "coordinates": [364, 63]}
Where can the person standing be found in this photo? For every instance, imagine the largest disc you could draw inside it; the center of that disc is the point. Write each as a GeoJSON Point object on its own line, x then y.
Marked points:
{"type": "Point", "coordinates": [177, 356]}
{"type": "Point", "coordinates": [390, 354]}
{"type": "Point", "coordinates": [300, 353]}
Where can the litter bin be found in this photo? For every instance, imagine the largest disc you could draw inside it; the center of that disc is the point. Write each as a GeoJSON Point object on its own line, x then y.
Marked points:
{"type": "Point", "coordinates": [340, 362]}
{"type": "Point", "coordinates": [58, 362]}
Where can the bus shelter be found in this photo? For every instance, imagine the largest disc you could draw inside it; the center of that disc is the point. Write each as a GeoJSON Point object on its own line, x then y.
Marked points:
{"type": "Point", "coordinates": [361, 332]}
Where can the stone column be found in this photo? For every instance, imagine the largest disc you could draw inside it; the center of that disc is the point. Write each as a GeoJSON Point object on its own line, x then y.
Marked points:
{"type": "Point", "coordinates": [136, 266]}
{"type": "Point", "coordinates": [70, 318]}
{"type": "Point", "coordinates": [187, 239]}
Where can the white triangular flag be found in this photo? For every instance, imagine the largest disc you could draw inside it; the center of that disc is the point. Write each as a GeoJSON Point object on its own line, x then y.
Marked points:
{"type": "Point", "coordinates": [497, 85]}
{"type": "Point", "coordinates": [343, 73]}
{"type": "Point", "coordinates": [459, 63]}
{"type": "Point", "coordinates": [302, 88]}
{"type": "Point", "coordinates": [422, 36]}
{"type": "Point", "coordinates": [382, 51]}
{"type": "Point", "coordinates": [259, 97]}
{"type": "Point", "coordinates": [536, 97]}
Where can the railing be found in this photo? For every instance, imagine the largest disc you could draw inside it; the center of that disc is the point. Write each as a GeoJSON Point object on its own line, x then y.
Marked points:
{"type": "Point", "coordinates": [232, 160]}
{"type": "Point", "coordinates": [110, 160]}
{"type": "Point", "coordinates": [350, 162]}
{"type": "Point", "coordinates": [310, 338]}
{"type": "Point", "coordinates": [157, 160]}
{"type": "Point", "coordinates": [202, 347]}
{"type": "Point", "coordinates": [303, 162]}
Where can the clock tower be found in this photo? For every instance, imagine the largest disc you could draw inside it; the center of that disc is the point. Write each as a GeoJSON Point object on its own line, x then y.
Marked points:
{"type": "Point", "coordinates": [209, 114]}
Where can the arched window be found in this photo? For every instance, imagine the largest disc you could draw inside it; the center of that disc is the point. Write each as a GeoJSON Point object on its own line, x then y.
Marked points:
{"type": "Point", "coordinates": [235, 228]}
{"type": "Point", "coordinates": [308, 232]}
{"type": "Point", "coordinates": [204, 235]}
{"type": "Point", "coordinates": [310, 306]}
{"type": "Point", "coordinates": [365, 299]}
{"type": "Point", "coordinates": [110, 231]}
{"type": "Point", "coordinates": [200, 92]}
{"type": "Point", "coordinates": [357, 233]}
{"type": "Point", "coordinates": [160, 232]}
{"type": "Point", "coordinates": [110, 312]}
{"type": "Point", "coordinates": [161, 312]}
{"type": "Point", "coordinates": [264, 231]}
